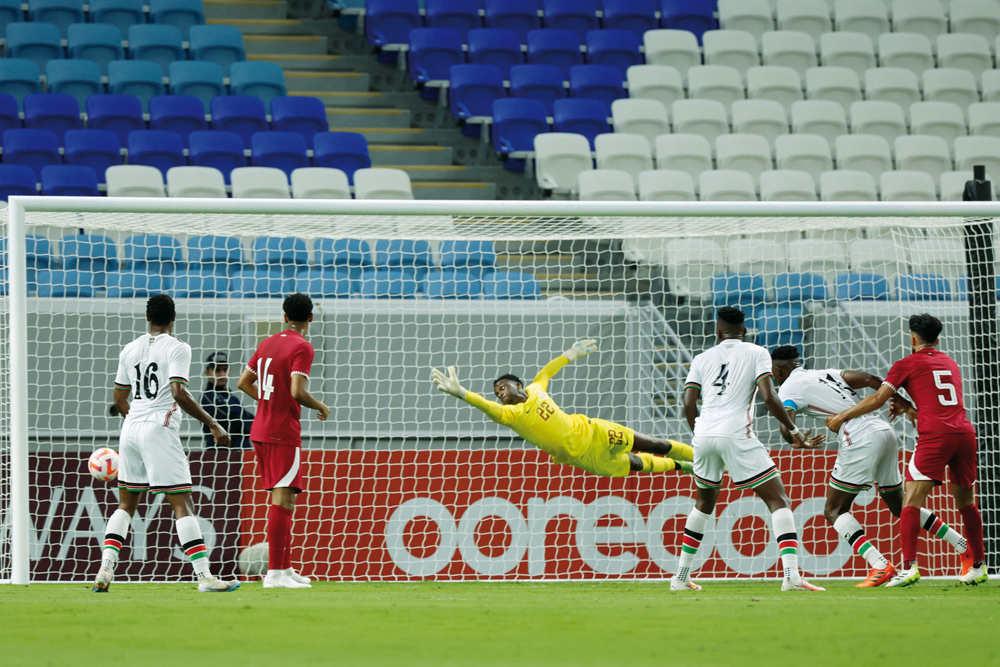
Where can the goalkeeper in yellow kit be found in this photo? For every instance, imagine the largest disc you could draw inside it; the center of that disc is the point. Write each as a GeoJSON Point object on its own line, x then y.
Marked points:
{"type": "Point", "coordinates": [595, 445]}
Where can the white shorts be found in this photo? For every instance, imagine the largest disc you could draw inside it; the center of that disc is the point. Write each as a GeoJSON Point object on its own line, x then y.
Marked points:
{"type": "Point", "coordinates": [746, 459]}
{"type": "Point", "coordinates": [873, 458]}
{"type": "Point", "coordinates": [150, 458]}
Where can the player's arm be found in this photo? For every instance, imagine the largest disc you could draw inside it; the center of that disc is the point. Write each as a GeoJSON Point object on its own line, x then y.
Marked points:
{"type": "Point", "coordinates": [305, 399]}
{"type": "Point", "coordinates": [121, 404]}
{"type": "Point", "coordinates": [186, 401]}
{"type": "Point", "coordinates": [860, 380]}
{"type": "Point", "coordinates": [800, 440]}
{"type": "Point", "coordinates": [248, 383]}
{"type": "Point", "coordinates": [691, 393]}
{"type": "Point", "coordinates": [786, 435]}
{"type": "Point", "coordinates": [581, 348]}
{"type": "Point", "coordinates": [867, 405]}
{"type": "Point", "coordinates": [450, 385]}
{"type": "Point", "coordinates": [123, 389]}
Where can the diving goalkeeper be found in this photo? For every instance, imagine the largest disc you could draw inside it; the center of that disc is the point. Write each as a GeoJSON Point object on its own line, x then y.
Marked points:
{"type": "Point", "coordinates": [597, 446]}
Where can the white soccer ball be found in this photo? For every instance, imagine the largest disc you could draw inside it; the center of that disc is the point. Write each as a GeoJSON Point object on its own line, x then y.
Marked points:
{"type": "Point", "coordinates": [103, 464]}
{"type": "Point", "coordinates": [253, 559]}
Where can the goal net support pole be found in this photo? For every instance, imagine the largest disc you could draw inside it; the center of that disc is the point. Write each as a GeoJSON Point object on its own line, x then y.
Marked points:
{"type": "Point", "coordinates": [18, 369]}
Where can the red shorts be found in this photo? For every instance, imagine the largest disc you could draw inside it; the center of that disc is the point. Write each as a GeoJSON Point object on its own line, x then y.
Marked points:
{"type": "Point", "coordinates": [280, 466]}
{"type": "Point", "coordinates": [956, 451]}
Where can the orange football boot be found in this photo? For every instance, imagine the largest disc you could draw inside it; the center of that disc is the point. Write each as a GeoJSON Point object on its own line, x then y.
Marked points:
{"type": "Point", "coordinates": [967, 561]}
{"type": "Point", "coordinates": [877, 577]}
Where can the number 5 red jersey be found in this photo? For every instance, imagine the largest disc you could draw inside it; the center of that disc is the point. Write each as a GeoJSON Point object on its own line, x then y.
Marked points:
{"type": "Point", "coordinates": [274, 363]}
{"type": "Point", "coordinates": [934, 382]}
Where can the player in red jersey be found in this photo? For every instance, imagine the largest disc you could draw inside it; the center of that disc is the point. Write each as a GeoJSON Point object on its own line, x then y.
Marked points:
{"type": "Point", "coordinates": [276, 378]}
{"type": "Point", "coordinates": [945, 438]}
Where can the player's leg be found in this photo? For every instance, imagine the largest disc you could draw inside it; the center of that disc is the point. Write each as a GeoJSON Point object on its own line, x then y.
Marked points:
{"type": "Point", "coordinates": [772, 492]}
{"type": "Point", "coordinates": [964, 472]}
{"type": "Point", "coordinates": [708, 468]}
{"type": "Point", "coordinates": [914, 495]}
{"type": "Point", "coordinates": [132, 481]}
{"type": "Point", "coordinates": [672, 448]}
{"type": "Point", "coordinates": [193, 544]}
{"type": "Point", "coordinates": [933, 524]}
{"type": "Point", "coordinates": [838, 514]}
{"type": "Point", "coordinates": [281, 471]}
{"type": "Point", "coordinates": [644, 462]}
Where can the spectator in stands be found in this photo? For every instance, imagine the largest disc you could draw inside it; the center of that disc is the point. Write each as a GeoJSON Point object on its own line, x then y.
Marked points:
{"type": "Point", "coordinates": [223, 405]}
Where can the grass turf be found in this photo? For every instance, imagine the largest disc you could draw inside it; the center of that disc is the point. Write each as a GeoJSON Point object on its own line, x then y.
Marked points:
{"type": "Point", "coordinates": [433, 623]}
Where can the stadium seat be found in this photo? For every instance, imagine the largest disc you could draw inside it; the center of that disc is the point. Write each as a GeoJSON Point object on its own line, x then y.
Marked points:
{"type": "Point", "coordinates": [705, 117]}
{"type": "Point", "coordinates": [922, 287]}
{"type": "Point", "coordinates": [984, 119]}
{"type": "Point", "coordinates": [597, 82]}
{"type": "Point", "coordinates": [203, 80]}
{"type": "Point", "coordinates": [864, 152]}
{"type": "Point", "coordinates": [516, 122]}
{"type": "Point", "coordinates": [320, 183]}
{"type": "Point", "coordinates": [119, 114]}
{"type": "Point", "coordinates": [259, 283]}
{"type": "Point", "coordinates": [588, 118]}
{"type": "Point", "coordinates": [161, 44]}
{"type": "Point", "coordinates": [689, 153]}
{"type": "Point", "coordinates": [977, 17]}
{"type": "Point", "coordinates": [764, 117]}
{"type": "Point", "coordinates": [661, 83]}
{"type": "Point", "coordinates": [54, 112]}
{"type": "Point", "coordinates": [182, 14]}
{"type": "Point", "coordinates": [759, 257]}
{"type": "Point", "coordinates": [950, 85]}
{"type": "Point", "coordinates": [59, 13]}
{"type": "Point", "coordinates": [835, 84]}
{"type": "Point", "coordinates": [779, 84]}
{"type": "Point", "coordinates": [31, 148]}
{"type": "Point", "coordinates": [349, 255]}
{"type": "Point", "coordinates": [151, 253]}
{"type": "Point", "coordinates": [862, 287]}
{"type": "Point", "coordinates": [748, 153]}
{"type": "Point", "coordinates": [204, 182]}
{"type": "Point", "coordinates": [731, 48]}
{"type": "Point", "coordinates": [455, 15]}
{"type": "Point", "coordinates": [433, 52]}
{"type": "Point", "coordinates": [89, 253]}
{"type": "Point", "coordinates": [390, 21]}
{"type": "Point", "coordinates": [99, 43]}
{"type": "Point", "coordinates": [19, 77]}
{"type": "Point", "coordinates": [282, 255]}
{"type": "Point", "coordinates": [714, 82]}
{"type": "Point", "coordinates": [885, 258]}
{"type": "Point", "coordinates": [606, 185]}
{"type": "Point", "coordinates": [156, 148]}
{"type": "Point", "coordinates": [538, 82]}
{"type": "Point", "coordinates": [120, 13]}
{"type": "Point", "coordinates": [818, 257]}
{"type": "Point", "coordinates": [217, 255]}
{"type": "Point", "coordinates": [796, 50]}
{"type": "Point", "coordinates": [259, 183]}
{"type": "Point", "coordinates": [510, 285]}
{"type": "Point", "coordinates": [940, 119]}
{"type": "Point", "coordinates": [556, 48]}
{"type": "Point", "coordinates": [497, 47]}
{"type": "Point", "coordinates": [134, 180]}
{"type": "Point", "coordinates": [907, 186]}
{"type": "Point", "coordinates": [472, 90]}
{"type": "Point", "coordinates": [809, 16]}
{"type": "Point", "coordinates": [451, 284]}
{"type": "Point", "coordinates": [928, 154]}
{"type": "Point", "coordinates": [991, 85]}
{"type": "Point", "coordinates": [635, 16]}
{"type": "Point", "coordinates": [647, 118]}
{"type": "Point", "coordinates": [303, 115]}
{"type": "Point", "coordinates": [739, 290]}
{"type": "Point", "coordinates": [346, 151]}
{"type": "Point", "coordinates": [780, 325]}
{"type": "Point", "coordinates": [910, 51]}
{"type": "Point", "coordinates": [822, 117]}
{"type": "Point", "coordinates": [478, 258]}
{"type": "Point", "coordinates": [220, 150]}
{"type": "Point", "coordinates": [79, 78]}
{"type": "Point", "coordinates": [786, 185]}
{"type": "Point", "coordinates": [803, 152]}
{"type": "Point", "coordinates": [953, 185]}
{"type": "Point", "coordinates": [794, 287]}
{"type": "Point", "coordinates": [239, 114]}
{"type": "Point", "coordinates": [385, 283]}
{"type": "Point", "coordinates": [10, 118]}
{"type": "Point", "coordinates": [750, 16]}
{"type": "Point", "coordinates": [942, 256]}
{"type": "Point", "coordinates": [411, 257]}
{"type": "Point", "coordinates": [69, 181]}
{"type": "Point", "coordinates": [65, 284]}
{"type": "Point", "coordinates": [181, 114]}
{"type": "Point", "coordinates": [694, 16]}
{"type": "Point", "coordinates": [16, 179]}
{"type": "Point", "coordinates": [666, 185]}
{"type": "Point", "coordinates": [281, 150]}
{"type": "Point", "coordinates": [861, 16]}
{"type": "Point", "coordinates": [580, 16]}
{"type": "Point", "coordinates": [847, 185]}
{"type": "Point", "coordinates": [257, 79]}
{"type": "Point", "coordinates": [969, 152]}
{"type": "Point", "coordinates": [924, 17]}
{"type": "Point", "coordinates": [852, 50]}
{"type": "Point", "coordinates": [895, 85]}
{"type": "Point", "coordinates": [726, 185]}
{"type": "Point", "coordinates": [518, 16]}
{"type": "Point", "coordinates": [191, 284]}
{"type": "Point", "coordinates": [140, 78]}
{"type": "Point", "coordinates": [382, 184]}
{"type": "Point", "coordinates": [968, 52]}
{"type": "Point", "coordinates": [672, 48]}
{"type": "Point", "coordinates": [691, 264]}
{"type": "Point", "coordinates": [884, 119]}
{"type": "Point", "coordinates": [38, 248]}
{"type": "Point", "coordinates": [326, 283]}
{"type": "Point", "coordinates": [614, 48]}
{"type": "Point", "coordinates": [561, 159]}
{"type": "Point", "coordinates": [630, 153]}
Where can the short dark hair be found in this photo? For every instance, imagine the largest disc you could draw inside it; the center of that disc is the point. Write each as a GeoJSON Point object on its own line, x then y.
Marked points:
{"type": "Point", "coordinates": [508, 376]}
{"type": "Point", "coordinates": [730, 315]}
{"type": "Point", "coordinates": [926, 326]}
{"type": "Point", "coordinates": [785, 353]}
{"type": "Point", "coordinates": [298, 307]}
{"type": "Point", "coordinates": [160, 310]}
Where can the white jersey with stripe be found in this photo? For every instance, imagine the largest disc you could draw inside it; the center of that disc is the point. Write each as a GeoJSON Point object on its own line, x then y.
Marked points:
{"type": "Point", "coordinates": [146, 367]}
{"type": "Point", "coordinates": [727, 376]}
{"type": "Point", "coordinates": [823, 393]}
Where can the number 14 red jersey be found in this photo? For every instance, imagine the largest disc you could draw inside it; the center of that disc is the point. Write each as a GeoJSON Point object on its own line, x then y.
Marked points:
{"type": "Point", "coordinates": [933, 381]}
{"type": "Point", "coordinates": [274, 363]}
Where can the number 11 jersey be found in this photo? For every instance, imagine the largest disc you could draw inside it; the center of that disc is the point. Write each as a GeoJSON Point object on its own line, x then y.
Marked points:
{"type": "Point", "coordinates": [727, 376]}
{"type": "Point", "coordinates": [146, 367]}
{"type": "Point", "coordinates": [276, 360]}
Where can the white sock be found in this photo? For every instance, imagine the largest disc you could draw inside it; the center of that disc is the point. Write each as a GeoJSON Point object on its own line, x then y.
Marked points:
{"type": "Point", "coordinates": [114, 537]}
{"type": "Point", "coordinates": [852, 533]}
{"type": "Point", "coordinates": [694, 533]}
{"type": "Point", "coordinates": [783, 525]}
{"type": "Point", "coordinates": [193, 545]}
{"type": "Point", "coordinates": [938, 528]}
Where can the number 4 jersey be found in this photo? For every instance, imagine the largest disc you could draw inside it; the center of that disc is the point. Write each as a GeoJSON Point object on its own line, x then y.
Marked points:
{"type": "Point", "coordinates": [274, 363]}
{"type": "Point", "coordinates": [933, 381]}
{"type": "Point", "coordinates": [146, 367]}
{"type": "Point", "coordinates": [727, 377]}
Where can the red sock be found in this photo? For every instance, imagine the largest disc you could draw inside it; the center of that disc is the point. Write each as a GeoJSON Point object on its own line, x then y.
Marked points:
{"type": "Point", "coordinates": [287, 562]}
{"type": "Point", "coordinates": [974, 531]}
{"type": "Point", "coordinates": [909, 529]}
{"type": "Point", "coordinates": [279, 528]}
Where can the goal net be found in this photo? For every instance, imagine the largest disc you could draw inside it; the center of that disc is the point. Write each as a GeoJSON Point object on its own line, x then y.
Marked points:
{"type": "Point", "coordinates": [406, 483]}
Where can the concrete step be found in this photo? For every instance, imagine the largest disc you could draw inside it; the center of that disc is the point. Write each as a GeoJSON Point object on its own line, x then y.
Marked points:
{"type": "Point", "coordinates": [267, 26]}
{"type": "Point", "coordinates": [519, 256]}
{"type": "Point", "coordinates": [451, 172]}
{"type": "Point", "coordinates": [356, 100]}
{"type": "Point", "coordinates": [283, 44]}
{"type": "Point", "coordinates": [407, 136]}
{"type": "Point", "coordinates": [368, 118]}
{"type": "Point", "coordinates": [383, 156]}
{"type": "Point", "coordinates": [245, 9]}
{"type": "Point", "coordinates": [317, 83]}
{"type": "Point", "coordinates": [311, 62]}
{"type": "Point", "coordinates": [451, 190]}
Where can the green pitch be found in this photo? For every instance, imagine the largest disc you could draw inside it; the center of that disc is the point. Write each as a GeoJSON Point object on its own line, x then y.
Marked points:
{"type": "Point", "coordinates": [934, 623]}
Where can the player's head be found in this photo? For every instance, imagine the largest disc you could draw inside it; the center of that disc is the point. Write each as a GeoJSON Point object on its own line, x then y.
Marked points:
{"type": "Point", "coordinates": [784, 360]}
{"type": "Point", "coordinates": [298, 308]}
{"type": "Point", "coordinates": [509, 389]}
{"type": "Point", "coordinates": [160, 311]}
{"type": "Point", "coordinates": [217, 368]}
{"type": "Point", "coordinates": [730, 324]}
{"type": "Point", "coordinates": [924, 330]}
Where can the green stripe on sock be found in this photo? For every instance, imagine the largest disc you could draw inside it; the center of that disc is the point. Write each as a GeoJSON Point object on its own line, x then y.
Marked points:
{"type": "Point", "coordinates": [944, 531]}
{"type": "Point", "coordinates": [789, 551]}
{"type": "Point", "coordinates": [864, 548]}
{"type": "Point", "coordinates": [200, 554]}
{"type": "Point", "coordinates": [112, 548]}
{"type": "Point", "coordinates": [688, 550]}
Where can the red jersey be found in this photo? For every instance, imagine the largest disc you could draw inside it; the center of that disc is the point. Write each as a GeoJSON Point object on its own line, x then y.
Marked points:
{"type": "Point", "coordinates": [274, 363]}
{"type": "Point", "coordinates": [933, 381]}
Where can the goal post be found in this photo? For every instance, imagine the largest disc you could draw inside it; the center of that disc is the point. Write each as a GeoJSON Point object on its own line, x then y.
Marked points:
{"type": "Point", "coordinates": [409, 484]}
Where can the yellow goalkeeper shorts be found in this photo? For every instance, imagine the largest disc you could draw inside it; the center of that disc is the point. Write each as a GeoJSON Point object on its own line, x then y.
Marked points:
{"type": "Point", "coordinates": [607, 452]}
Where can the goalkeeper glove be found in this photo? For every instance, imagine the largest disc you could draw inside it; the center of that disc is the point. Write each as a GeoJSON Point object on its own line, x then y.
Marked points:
{"type": "Point", "coordinates": [581, 348]}
{"type": "Point", "coordinates": [448, 383]}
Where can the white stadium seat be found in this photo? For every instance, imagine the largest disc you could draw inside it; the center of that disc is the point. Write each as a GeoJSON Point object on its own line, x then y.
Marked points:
{"type": "Point", "coordinates": [764, 117]}
{"type": "Point", "coordinates": [834, 84]}
{"type": "Point", "coordinates": [206, 182]}
{"type": "Point", "coordinates": [726, 185]}
{"type": "Point", "coordinates": [731, 48]}
{"type": "Point", "coordinates": [864, 152]}
{"type": "Point", "coordinates": [134, 180]}
{"type": "Point", "coordinates": [824, 257]}
{"type": "Point", "coordinates": [677, 48]}
{"type": "Point", "coordinates": [950, 85]}
{"type": "Point", "coordinates": [560, 158]}
{"type": "Point", "coordinates": [705, 117]}
{"type": "Point", "coordinates": [991, 85]}
{"type": "Point", "coordinates": [853, 50]}
{"type": "Point", "coordinates": [972, 151]}
{"type": "Point", "coordinates": [655, 82]}
{"type": "Point", "coordinates": [630, 153]}
{"type": "Point", "coordinates": [809, 16]}
{"type": "Point", "coordinates": [751, 16]}
{"type": "Point", "coordinates": [892, 84]}
{"type": "Point", "coordinates": [924, 17]}
{"type": "Point", "coordinates": [749, 153]}
{"type": "Point", "coordinates": [907, 50]}
{"type": "Point", "coordinates": [940, 119]}
{"type": "Point", "coordinates": [757, 257]}
{"type": "Point", "coordinates": [780, 84]}
{"type": "Point", "coordinates": [787, 185]}
{"type": "Point", "coordinates": [690, 153]}
{"type": "Point", "coordinates": [984, 119]}
{"type": "Point", "coordinates": [884, 257]}
{"type": "Point", "coordinates": [978, 17]}
{"type": "Point", "coordinates": [907, 186]}
{"type": "Point", "coordinates": [691, 263]}
{"type": "Point", "coordinates": [784, 48]}
{"type": "Point", "coordinates": [320, 183]}
{"type": "Point", "coordinates": [666, 185]}
{"type": "Point", "coordinates": [803, 152]}
{"type": "Point", "coordinates": [884, 119]}
{"type": "Point", "coordinates": [606, 185]}
{"type": "Point", "coordinates": [941, 256]}
{"type": "Point", "coordinates": [864, 16]}
{"type": "Point", "coordinates": [380, 183]}
{"type": "Point", "coordinates": [715, 82]}
{"type": "Point", "coordinates": [824, 118]}
{"type": "Point", "coordinates": [636, 116]}
{"type": "Point", "coordinates": [953, 185]}
{"type": "Point", "coordinates": [263, 183]}
{"type": "Point", "coordinates": [965, 51]}
{"type": "Point", "coordinates": [847, 185]}
{"type": "Point", "coordinates": [925, 153]}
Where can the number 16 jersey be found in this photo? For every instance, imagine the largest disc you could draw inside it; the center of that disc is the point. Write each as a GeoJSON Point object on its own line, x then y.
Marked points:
{"type": "Point", "coordinates": [146, 367]}
{"type": "Point", "coordinates": [276, 360]}
{"type": "Point", "coordinates": [727, 376]}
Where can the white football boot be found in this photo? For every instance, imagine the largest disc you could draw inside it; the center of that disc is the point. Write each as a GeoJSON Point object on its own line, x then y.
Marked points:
{"type": "Point", "coordinates": [216, 585]}
{"type": "Point", "coordinates": [677, 584]}
{"type": "Point", "coordinates": [975, 576]}
{"type": "Point", "coordinates": [103, 581]}
{"type": "Point", "coordinates": [296, 577]}
{"type": "Point", "coordinates": [799, 585]}
{"type": "Point", "coordinates": [278, 579]}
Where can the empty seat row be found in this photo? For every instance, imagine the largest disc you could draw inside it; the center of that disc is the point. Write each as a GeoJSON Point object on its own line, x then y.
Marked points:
{"type": "Point", "coordinates": [181, 14]}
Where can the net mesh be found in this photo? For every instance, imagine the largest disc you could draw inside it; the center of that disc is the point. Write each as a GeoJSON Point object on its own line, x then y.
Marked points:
{"type": "Point", "coordinates": [403, 482]}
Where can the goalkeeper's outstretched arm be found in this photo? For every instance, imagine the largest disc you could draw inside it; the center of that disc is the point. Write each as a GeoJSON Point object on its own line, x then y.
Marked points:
{"type": "Point", "coordinates": [449, 384]}
{"type": "Point", "coordinates": [581, 348]}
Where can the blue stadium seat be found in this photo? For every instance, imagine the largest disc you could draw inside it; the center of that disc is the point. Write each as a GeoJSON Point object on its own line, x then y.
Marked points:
{"type": "Point", "coordinates": [862, 287]}
{"type": "Point", "coordinates": [388, 284]}
{"type": "Point", "coordinates": [597, 82]}
{"type": "Point", "coordinates": [19, 77]}
{"type": "Point", "coordinates": [327, 283]}
{"type": "Point", "coordinates": [477, 257]}
{"type": "Point", "coordinates": [38, 255]}
{"type": "Point", "coordinates": [240, 114]}
{"type": "Point", "coordinates": [922, 287]}
{"type": "Point", "coordinates": [537, 82]}
{"type": "Point", "coordinates": [799, 287]}
{"type": "Point", "coordinates": [617, 48]}
{"type": "Point", "coordinates": [9, 113]}
{"type": "Point", "coordinates": [390, 21]}
{"type": "Point", "coordinates": [780, 325]}
{"type": "Point", "coordinates": [16, 179]}
{"type": "Point", "coordinates": [220, 255]}
{"type": "Point", "coordinates": [962, 285]}
{"type": "Point", "coordinates": [140, 78]}
{"type": "Point", "coordinates": [62, 180]}
{"type": "Point", "coordinates": [120, 13]}
{"type": "Point", "coordinates": [153, 253]}
{"type": "Point", "coordinates": [740, 290]}
{"type": "Point", "coordinates": [79, 78]}
{"type": "Point", "coordinates": [413, 257]}
{"type": "Point", "coordinates": [195, 284]}
{"type": "Point", "coordinates": [31, 148]}
{"type": "Point", "coordinates": [259, 284]}
{"type": "Point", "coordinates": [518, 16]}
{"type": "Point", "coordinates": [302, 115]}
{"type": "Point", "coordinates": [282, 150]}
{"type": "Point", "coordinates": [516, 123]}
{"type": "Point", "coordinates": [89, 253]}
{"type": "Point", "coordinates": [156, 148]}
{"type": "Point", "coordinates": [65, 284]}
{"type": "Point", "coordinates": [636, 16]}
{"type": "Point", "coordinates": [281, 255]}
{"type": "Point", "coordinates": [182, 114]}
{"type": "Point", "coordinates": [511, 285]}
{"type": "Point", "coordinates": [120, 114]}
{"type": "Point", "coordinates": [182, 14]}
{"type": "Point", "coordinates": [257, 79]}
{"type": "Point", "coordinates": [452, 284]}
{"type": "Point", "coordinates": [696, 16]}
{"type": "Point", "coordinates": [53, 112]}
{"type": "Point", "coordinates": [93, 41]}
{"type": "Point", "coordinates": [457, 15]}
{"type": "Point", "coordinates": [472, 90]}
{"type": "Point", "coordinates": [433, 51]}
{"type": "Point", "coordinates": [60, 13]}
{"type": "Point", "coordinates": [203, 80]}
{"type": "Point", "coordinates": [160, 44]}
{"type": "Point", "coordinates": [558, 48]}
{"type": "Point", "coordinates": [37, 42]}
{"type": "Point", "coordinates": [580, 16]}
{"type": "Point", "coordinates": [495, 46]}
{"type": "Point", "coordinates": [581, 116]}
{"type": "Point", "coordinates": [350, 255]}
{"type": "Point", "coordinates": [221, 150]}
{"type": "Point", "coordinates": [129, 284]}
{"type": "Point", "coordinates": [346, 151]}
{"type": "Point", "coordinates": [97, 149]}
{"type": "Point", "coordinates": [220, 44]}
{"type": "Point", "coordinates": [10, 12]}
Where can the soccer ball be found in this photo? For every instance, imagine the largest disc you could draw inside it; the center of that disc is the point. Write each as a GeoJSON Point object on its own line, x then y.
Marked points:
{"type": "Point", "coordinates": [103, 464]}
{"type": "Point", "coordinates": [253, 559]}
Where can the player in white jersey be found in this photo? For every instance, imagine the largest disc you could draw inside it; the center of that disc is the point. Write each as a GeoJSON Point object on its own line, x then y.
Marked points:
{"type": "Point", "coordinates": [150, 386]}
{"type": "Point", "coordinates": [726, 378]}
{"type": "Point", "coordinates": [869, 452]}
